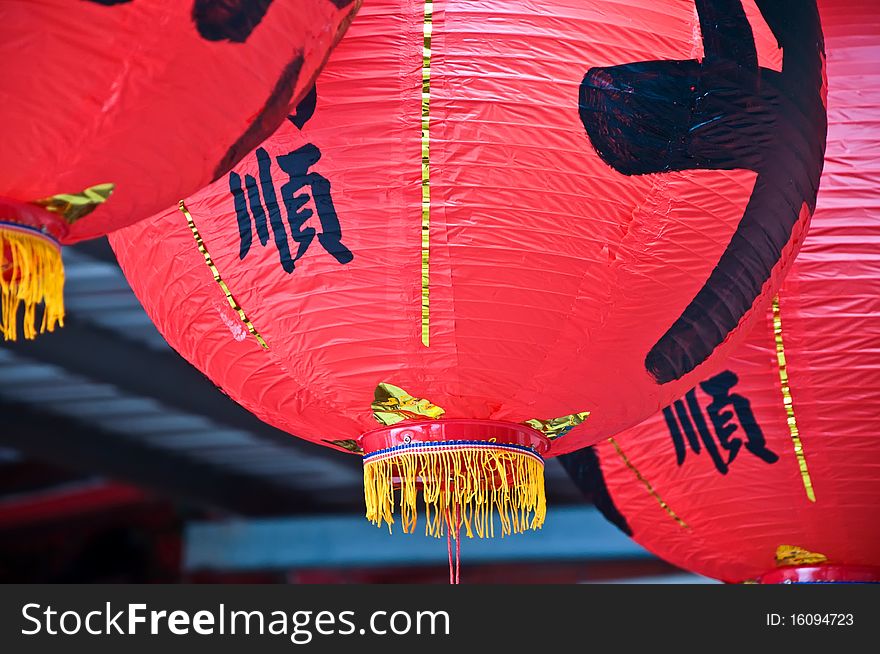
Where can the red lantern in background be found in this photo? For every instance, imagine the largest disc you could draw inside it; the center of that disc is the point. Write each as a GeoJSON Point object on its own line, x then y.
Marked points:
{"type": "Point", "coordinates": [486, 238]}
{"type": "Point", "coordinates": [770, 470]}
{"type": "Point", "coordinates": [147, 100]}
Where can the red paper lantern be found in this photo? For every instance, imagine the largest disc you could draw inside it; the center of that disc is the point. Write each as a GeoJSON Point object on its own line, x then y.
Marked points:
{"type": "Point", "coordinates": [771, 469]}
{"type": "Point", "coordinates": [498, 213]}
{"type": "Point", "coordinates": [147, 100]}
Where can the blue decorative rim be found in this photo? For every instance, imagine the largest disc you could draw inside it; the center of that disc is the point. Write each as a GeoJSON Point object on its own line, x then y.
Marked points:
{"type": "Point", "coordinates": [30, 228]}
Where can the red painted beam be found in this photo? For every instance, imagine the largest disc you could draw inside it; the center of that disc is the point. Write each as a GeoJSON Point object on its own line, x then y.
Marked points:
{"type": "Point", "coordinates": [66, 501]}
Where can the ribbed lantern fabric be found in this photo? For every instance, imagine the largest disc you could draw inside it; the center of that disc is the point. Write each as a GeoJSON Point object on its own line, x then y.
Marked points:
{"type": "Point", "coordinates": [114, 110]}
{"type": "Point", "coordinates": [770, 470]}
{"type": "Point", "coordinates": [560, 213]}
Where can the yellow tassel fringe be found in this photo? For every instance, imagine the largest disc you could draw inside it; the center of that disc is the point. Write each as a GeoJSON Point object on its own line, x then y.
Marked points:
{"type": "Point", "coordinates": [469, 485]}
{"type": "Point", "coordinates": [32, 272]}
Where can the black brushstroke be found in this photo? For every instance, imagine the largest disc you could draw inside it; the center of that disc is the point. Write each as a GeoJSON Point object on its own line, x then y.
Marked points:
{"type": "Point", "coordinates": [305, 109]}
{"type": "Point", "coordinates": [267, 188]}
{"type": "Point", "coordinates": [585, 470]}
{"type": "Point", "coordinates": [700, 421]}
{"type": "Point", "coordinates": [671, 424]}
{"type": "Point", "coordinates": [228, 20]}
{"type": "Point", "coordinates": [253, 194]}
{"type": "Point", "coordinates": [339, 4]}
{"type": "Point", "coordinates": [270, 116]}
{"type": "Point", "coordinates": [241, 215]}
{"type": "Point", "coordinates": [721, 113]}
{"type": "Point", "coordinates": [109, 3]}
{"type": "Point", "coordinates": [686, 425]}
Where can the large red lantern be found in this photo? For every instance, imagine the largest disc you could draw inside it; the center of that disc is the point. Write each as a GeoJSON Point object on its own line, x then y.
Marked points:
{"type": "Point", "coordinates": [113, 110]}
{"type": "Point", "coordinates": [770, 470]}
{"type": "Point", "coordinates": [494, 233]}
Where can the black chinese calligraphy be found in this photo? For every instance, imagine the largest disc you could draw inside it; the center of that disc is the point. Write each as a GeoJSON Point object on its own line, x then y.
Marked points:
{"type": "Point", "coordinates": [257, 206]}
{"type": "Point", "coordinates": [223, 20]}
{"type": "Point", "coordinates": [228, 20]}
{"type": "Point", "coordinates": [235, 22]}
{"type": "Point", "coordinates": [720, 113]}
{"type": "Point", "coordinates": [688, 425]}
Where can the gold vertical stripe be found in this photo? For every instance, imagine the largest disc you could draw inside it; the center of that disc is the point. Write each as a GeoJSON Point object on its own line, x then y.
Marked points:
{"type": "Point", "coordinates": [787, 401]}
{"type": "Point", "coordinates": [217, 278]}
{"type": "Point", "coordinates": [426, 173]}
{"type": "Point", "coordinates": [647, 485]}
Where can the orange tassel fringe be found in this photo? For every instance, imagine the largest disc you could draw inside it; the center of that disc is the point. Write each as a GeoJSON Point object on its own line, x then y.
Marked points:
{"type": "Point", "coordinates": [473, 484]}
{"type": "Point", "coordinates": [32, 272]}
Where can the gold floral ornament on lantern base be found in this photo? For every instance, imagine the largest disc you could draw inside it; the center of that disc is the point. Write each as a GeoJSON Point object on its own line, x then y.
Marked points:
{"type": "Point", "coordinates": [795, 555]}
{"type": "Point", "coordinates": [469, 473]}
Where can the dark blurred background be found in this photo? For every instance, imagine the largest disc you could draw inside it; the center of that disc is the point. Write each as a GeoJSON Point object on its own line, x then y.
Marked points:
{"type": "Point", "coordinates": [121, 463]}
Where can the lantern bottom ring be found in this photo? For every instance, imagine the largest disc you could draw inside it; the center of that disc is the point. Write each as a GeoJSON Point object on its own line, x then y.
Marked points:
{"type": "Point", "coordinates": [823, 574]}
{"type": "Point", "coordinates": [470, 474]}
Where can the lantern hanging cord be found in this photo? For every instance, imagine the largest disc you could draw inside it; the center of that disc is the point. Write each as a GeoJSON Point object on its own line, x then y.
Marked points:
{"type": "Point", "coordinates": [454, 532]}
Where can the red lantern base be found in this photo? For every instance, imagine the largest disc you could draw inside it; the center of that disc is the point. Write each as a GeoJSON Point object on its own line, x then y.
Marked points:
{"type": "Point", "coordinates": [466, 472]}
{"type": "Point", "coordinates": [823, 574]}
{"type": "Point", "coordinates": [31, 270]}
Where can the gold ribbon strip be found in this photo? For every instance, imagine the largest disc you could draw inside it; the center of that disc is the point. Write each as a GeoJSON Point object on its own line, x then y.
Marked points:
{"type": "Point", "coordinates": [426, 173]}
{"type": "Point", "coordinates": [648, 486]}
{"type": "Point", "coordinates": [217, 278]}
{"type": "Point", "coordinates": [787, 401]}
